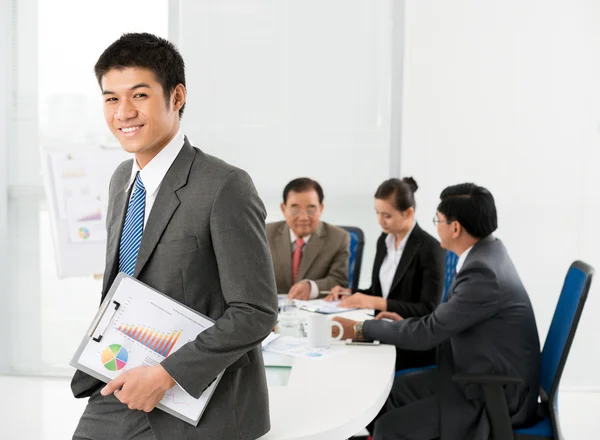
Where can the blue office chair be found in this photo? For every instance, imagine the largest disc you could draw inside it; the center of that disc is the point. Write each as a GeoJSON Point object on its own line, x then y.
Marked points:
{"type": "Point", "coordinates": [451, 261]}
{"type": "Point", "coordinates": [554, 356]}
{"type": "Point", "coordinates": [357, 244]}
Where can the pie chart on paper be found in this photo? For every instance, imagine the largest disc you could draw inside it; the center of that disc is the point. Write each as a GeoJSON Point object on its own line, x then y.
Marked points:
{"type": "Point", "coordinates": [114, 357]}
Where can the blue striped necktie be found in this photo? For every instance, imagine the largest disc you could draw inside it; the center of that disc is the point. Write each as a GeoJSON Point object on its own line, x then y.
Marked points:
{"type": "Point", "coordinates": [133, 228]}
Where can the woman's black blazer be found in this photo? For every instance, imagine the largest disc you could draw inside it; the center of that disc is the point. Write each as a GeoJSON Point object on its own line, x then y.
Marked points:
{"type": "Point", "coordinates": [417, 286]}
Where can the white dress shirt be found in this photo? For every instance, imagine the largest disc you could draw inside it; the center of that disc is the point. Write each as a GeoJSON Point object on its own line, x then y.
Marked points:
{"type": "Point", "coordinates": [461, 259]}
{"type": "Point", "coordinates": [314, 290]}
{"type": "Point", "coordinates": [391, 261]}
{"type": "Point", "coordinates": [154, 172]}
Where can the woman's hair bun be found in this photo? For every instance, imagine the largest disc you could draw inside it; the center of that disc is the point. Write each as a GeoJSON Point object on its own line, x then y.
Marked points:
{"type": "Point", "coordinates": [412, 183]}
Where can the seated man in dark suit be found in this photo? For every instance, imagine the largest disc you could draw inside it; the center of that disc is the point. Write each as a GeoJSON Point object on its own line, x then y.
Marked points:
{"type": "Point", "coordinates": [308, 255]}
{"type": "Point", "coordinates": [487, 326]}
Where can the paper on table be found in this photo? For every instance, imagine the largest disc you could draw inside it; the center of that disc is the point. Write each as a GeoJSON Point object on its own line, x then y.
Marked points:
{"type": "Point", "coordinates": [272, 336]}
{"type": "Point", "coordinates": [321, 306]}
{"type": "Point", "coordinates": [299, 347]}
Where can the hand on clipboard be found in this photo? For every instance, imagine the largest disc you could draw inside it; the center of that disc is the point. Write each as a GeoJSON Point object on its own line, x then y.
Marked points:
{"type": "Point", "coordinates": [146, 387]}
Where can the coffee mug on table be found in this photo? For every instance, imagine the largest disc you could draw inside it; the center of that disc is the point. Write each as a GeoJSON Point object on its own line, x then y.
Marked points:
{"type": "Point", "coordinates": [319, 330]}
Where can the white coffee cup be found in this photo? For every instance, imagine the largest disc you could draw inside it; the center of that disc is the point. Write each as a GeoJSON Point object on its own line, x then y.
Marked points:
{"type": "Point", "coordinates": [319, 330]}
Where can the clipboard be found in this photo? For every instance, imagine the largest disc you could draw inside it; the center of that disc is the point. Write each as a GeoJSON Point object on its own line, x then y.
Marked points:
{"type": "Point", "coordinates": [137, 325]}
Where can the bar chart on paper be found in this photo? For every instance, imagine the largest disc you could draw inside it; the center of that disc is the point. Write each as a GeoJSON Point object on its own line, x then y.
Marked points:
{"type": "Point", "coordinates": [160, 343]}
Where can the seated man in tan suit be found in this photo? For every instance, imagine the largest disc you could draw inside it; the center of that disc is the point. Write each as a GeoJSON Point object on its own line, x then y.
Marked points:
{"type": "Point", "coordinates": [308, 255]}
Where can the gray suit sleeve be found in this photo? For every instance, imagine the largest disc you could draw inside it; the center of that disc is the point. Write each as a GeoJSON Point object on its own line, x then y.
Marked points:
{"type": "Point", "coordinates": [475, 298]}
{"type": "Point", "coordinates": [338, 271]}
{"type": "Point", "coordinates": [246, 276]}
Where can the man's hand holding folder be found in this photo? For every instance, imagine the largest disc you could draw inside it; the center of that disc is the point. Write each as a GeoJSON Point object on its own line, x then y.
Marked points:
{"type": "Point", "coordinates": [141, 388]}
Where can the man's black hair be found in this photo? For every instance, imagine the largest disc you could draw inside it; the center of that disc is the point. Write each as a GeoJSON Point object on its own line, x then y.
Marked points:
{"type": "Point", "coordinates": [472, 206]}
{"type": "Point", "coordinates": [145, 51]}
{"type": "Point", "coordinates": [303, 184]}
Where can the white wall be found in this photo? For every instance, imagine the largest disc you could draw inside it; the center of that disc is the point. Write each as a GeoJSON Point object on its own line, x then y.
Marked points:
{"type": "Point", "coordinates": [507, 94]}
{"type": "Point", "coordinates": [290, 88]}
{"type": "Point", "coordinates": [5, 107]}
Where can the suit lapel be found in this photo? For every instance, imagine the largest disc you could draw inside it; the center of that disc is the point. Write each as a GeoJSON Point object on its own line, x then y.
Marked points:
{"type": "Point", "coordinates": [311, 251]}
{"type": "Point", "coordinates": [165, 205]}
{"type": "Point", "coordinates": [283, 248]}
{"type": "Point", "coordinates": [410, 251]}
{"type": "Point", "coordinates": [379, 256]}
{"type": "Point", "coordinates": [115, 223]}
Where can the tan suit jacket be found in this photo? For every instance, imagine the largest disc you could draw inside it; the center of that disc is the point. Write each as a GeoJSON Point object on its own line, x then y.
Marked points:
{"type": "Point", "coordinates": [324, 260]}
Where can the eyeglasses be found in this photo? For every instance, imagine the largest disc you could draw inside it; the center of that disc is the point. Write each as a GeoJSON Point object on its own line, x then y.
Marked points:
{"type": "Point", "coordinates": [311, 212]}
{"type": "Point", "coordinates": [437, 221]}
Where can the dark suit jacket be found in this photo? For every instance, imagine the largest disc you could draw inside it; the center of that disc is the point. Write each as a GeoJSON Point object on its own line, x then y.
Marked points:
{"type": "Point", "coordinates": [324, 260]}
{"type": "Point", "coordinates": [204, 245]}
{"type": "Point", "coordinates": [417, 286]}
{"type": "Point", "coordinates": [487, 326]}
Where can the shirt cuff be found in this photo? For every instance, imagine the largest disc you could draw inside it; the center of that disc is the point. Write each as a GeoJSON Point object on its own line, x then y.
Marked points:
{"type": "Point", "coordinates": [314, 290]}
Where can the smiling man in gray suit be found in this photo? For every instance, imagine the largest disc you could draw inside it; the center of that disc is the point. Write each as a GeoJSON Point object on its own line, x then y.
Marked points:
{"type": "Point", "coordinates": [192, 227]}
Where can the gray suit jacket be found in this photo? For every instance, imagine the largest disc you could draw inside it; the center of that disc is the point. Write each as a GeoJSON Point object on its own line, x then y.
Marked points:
{"type": "Point", "coordinates": [487, 326]}
{"type": "Point", "coordinates": [324, 260]}
{"type": "Point", "coordinates": [204, 245]}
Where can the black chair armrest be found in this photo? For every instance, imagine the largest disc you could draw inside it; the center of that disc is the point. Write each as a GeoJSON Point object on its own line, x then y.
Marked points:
{"type": "Point", "coordinates": [495, 400]}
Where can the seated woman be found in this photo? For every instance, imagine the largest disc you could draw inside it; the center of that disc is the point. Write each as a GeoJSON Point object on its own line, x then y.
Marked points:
{"type": "Point", "coordinates": [408, 272]}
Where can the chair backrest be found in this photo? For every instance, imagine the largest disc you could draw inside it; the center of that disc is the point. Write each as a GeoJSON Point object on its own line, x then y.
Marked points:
{"type": "Point", "coordinates": [357, 244]}
{"type": "Point", "coordinates": [451, 261]}
{"type": "Point", "coordinates": [564, 324]}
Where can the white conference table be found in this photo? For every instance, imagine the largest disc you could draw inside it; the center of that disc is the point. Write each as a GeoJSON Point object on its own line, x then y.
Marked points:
{"type": "Point", "coordinates": [331, 398]}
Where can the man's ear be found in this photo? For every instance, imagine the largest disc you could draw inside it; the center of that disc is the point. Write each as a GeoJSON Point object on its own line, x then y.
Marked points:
{"type": "Point", "coordinates": [457, 229]}
{"type": "Point", "coordinates": [178, 97]}
{"type": "Point", "coordinates": [282, 206]}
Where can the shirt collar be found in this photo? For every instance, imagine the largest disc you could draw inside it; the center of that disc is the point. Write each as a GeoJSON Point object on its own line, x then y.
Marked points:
{"type": "Point", "coordinates": [155, 171]}
{"type": "Point", "coordinates": [390, 241]}
{"type": "Point", "coordinates": [461, 259]}
{"type": "Point", "coordinates": [293, 237]}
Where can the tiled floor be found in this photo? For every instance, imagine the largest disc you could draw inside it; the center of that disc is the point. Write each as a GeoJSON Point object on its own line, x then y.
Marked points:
{"type": "Point", "coordinates": [38, 408]}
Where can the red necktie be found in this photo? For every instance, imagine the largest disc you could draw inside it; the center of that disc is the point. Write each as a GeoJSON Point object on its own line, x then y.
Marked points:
{"type": "Point", "coordinates": [296, 257]}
